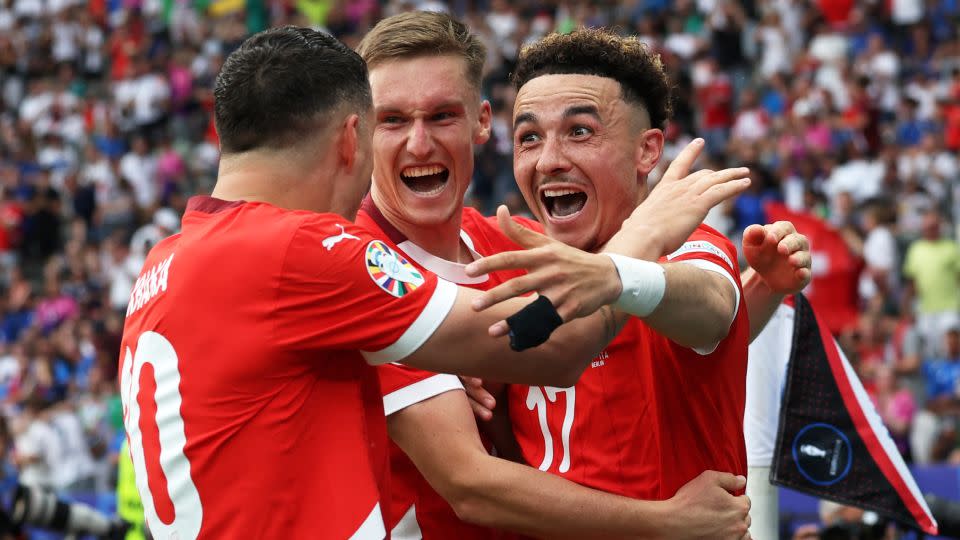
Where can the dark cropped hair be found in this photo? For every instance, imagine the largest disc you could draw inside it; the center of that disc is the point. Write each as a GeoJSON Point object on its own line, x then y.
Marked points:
{"type": "Point", "coordinates": [280, 84]}
{"type": "Point", "coordinates": [606, 54]}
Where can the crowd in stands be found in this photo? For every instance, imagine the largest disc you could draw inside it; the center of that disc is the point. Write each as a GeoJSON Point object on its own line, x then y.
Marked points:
{"type": "Point", "coordinates": [848, 111]}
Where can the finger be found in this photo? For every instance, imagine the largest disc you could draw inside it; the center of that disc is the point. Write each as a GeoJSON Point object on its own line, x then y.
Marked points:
{"type": "Point", "coordinates": [754, 235]}
{"type": "Point", "coordinates": [480, 411]}
{"type": "Point", "coordinates": [499, 329]}
{"type": "Point", "coordinates": [472, 382]}
{"type": "Point", "coordinates": [801, 259]}
{"type": "Point", "coordinates": [781, 229]}
{"type": "Point", "coordinates": [507, 260]}
{"type": "Point", "coordinates": [482, 397]}
{"type": "Point", "coordinates": [721, 192]}
{"type": "Point", "coordinates": [720, 177]}
{"type": "Point", "coordinates": [523, 236]}
{"type": "Point", "coordinates": [680, 166]}
{"type": "Point", "coordinates": [791, 243]}
{"type": "Point", "coordinates": [730, 482]}
{"type": "Point", "coordinates": [804, 275]}
{"type": "Point", "coordinates": [509, 289]}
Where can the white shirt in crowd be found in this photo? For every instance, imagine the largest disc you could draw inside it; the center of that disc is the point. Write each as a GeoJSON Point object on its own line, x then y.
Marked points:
{"type": "Point", "coordinates": [39, 440]}
{"type": "Point", "coordinates": [879, 253]}
{"type": "Point", "coordinates": [140, 171]}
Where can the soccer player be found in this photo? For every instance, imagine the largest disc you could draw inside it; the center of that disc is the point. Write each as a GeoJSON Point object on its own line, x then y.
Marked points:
{"type": "Point", "coordinates": [665, 401]}
{"type": "Point", "coordinates": [249, 402]}
{"type": "Point", "coordinates": [425, 75]}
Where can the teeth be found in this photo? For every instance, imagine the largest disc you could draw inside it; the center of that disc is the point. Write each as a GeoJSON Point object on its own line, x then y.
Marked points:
{"type": "Point", "coordinates": [415, 172]}
{"type": "Point", "coordinates": [560, 192]}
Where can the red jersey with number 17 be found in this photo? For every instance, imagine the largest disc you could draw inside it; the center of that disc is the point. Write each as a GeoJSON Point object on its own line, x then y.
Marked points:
{"type": "Point", "coordinates": [648, 415]}
{"type": "Point", "coordinates": [250, 407]}
{"type": "Point", "coordinates": [416, 510]}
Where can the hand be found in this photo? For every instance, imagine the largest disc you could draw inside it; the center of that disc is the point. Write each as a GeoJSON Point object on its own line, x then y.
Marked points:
{"type": "Point", "coordinates": [576, 282]}
{"type": "Point", "coordinates": [780, 255]}
{"type": "Point", "coordinates": [676, 206]}
{"type": "Point", "coordinates": [481, 398]}
{"type": "Point", "coordinates": [809, 531]}
{"type": "Point", "coordinates": [706, 508]}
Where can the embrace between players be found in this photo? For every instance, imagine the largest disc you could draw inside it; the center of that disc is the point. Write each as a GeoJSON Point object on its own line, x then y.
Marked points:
{"type": "Point", "coordinates": [256, 407]}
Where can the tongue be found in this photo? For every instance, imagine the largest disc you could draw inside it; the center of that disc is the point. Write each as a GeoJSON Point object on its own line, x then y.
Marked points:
{"type": "Point", "coordinates": [566, 205]}
{"type": "Point", "coordinates": [426, 184]}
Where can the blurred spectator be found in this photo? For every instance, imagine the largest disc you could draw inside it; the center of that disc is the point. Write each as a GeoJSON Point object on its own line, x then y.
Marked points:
{"type": "Point", "coordinates": [932, 266]}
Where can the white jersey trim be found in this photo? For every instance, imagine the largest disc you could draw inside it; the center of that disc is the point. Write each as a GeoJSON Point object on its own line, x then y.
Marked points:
{"type": "Point", "coordinates": [407, 528]}
{"type": "Point", "coordinates": [420, 391]}
{"type": "Point", "coordinates": [714, 267]}
{"type": "Point", "coordinates": [372, 528]}
{"type": "Point", "coordinates": [701, 246]}
{"type": "Point", "coordinates": [448, 270]}
{"type": "Point", "coordinates": [420, 331]}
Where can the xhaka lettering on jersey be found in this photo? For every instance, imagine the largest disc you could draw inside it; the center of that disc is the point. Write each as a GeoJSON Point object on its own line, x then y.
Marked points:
{"type": "Point", "coordinates": [150, 284]}
{"type": "Point", "coordinates": [331, 241]}
{"type": "Point", "coordinates": [599, 362]}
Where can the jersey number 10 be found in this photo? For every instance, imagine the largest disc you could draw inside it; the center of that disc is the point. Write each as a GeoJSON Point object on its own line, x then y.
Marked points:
{"type": "Point", "coordinates": [537, 399]}
{"type": "Point", "coordinates": [171, 502]}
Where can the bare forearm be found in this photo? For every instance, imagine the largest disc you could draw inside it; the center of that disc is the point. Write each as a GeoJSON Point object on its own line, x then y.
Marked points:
{"type": "Point", "coordinates": [697, 307]}
{"type": "Point", "coordinates": [760, 300]}
{"type": "Point", "coordinates": [516, 497]}
{"type": "Point", "coordinates": [440, 437]}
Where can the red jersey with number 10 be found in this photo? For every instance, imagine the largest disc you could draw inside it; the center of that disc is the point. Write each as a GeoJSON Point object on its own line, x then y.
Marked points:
{"type": "Point", "coordinates": [250, 409]}
{"type": "Point", "coordinates": [648, 415]}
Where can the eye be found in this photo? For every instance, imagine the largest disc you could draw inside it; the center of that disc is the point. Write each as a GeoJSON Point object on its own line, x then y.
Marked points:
{"type": "Point", "coordinates": [391, 119]}
{"type": "Point", "coordinates": [527, 138]}
{"type": "Point", "coordinates": [443, 116]}
{"type": "Point", "coordinates": [580, 131]}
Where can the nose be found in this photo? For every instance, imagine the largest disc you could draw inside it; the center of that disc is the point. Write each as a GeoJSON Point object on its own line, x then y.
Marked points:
{"type": "Point", "coordinates": [552, 159]}
{"type": "Point", "coordinates": [419, 140]}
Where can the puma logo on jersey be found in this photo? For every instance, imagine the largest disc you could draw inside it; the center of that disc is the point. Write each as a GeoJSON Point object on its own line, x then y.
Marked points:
{"type": "Point", "coordinates": [331, 241]}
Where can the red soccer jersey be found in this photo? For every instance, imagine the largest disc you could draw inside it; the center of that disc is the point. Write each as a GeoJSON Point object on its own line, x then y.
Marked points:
{"type": "Point", "coordinates": [648, 415]}
{"type": "Point", "coordinates": [250, 409]}
{"type": "Point", "coordinates": [416, 510]}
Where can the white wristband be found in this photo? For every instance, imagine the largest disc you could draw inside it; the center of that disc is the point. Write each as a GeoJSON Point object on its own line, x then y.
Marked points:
{"type": "Point", "coordinates": [644, 283]}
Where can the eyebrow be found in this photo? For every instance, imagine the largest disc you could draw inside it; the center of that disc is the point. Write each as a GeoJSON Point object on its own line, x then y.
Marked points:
{"type": "Point", "coordinates": [569, 113]}
{"type": "Point", "coordinates": [444, 105]}
{"type": "Point", "coordinates": [523, 118]}
{"type": "Point", "coordinates": [582, 109]}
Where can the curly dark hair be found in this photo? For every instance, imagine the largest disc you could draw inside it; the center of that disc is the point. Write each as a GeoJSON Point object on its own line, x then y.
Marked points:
{"type": "Point", "coordinates": [592, 51]}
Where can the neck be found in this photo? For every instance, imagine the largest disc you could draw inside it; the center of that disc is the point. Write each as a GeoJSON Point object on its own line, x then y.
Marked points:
{"type": "Point", "coordinates": [273, 178]}
{"type": "Point", "coordinates": [440, 240]}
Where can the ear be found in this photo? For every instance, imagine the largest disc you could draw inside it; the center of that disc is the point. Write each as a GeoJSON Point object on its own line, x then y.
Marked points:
{"type": "Point", "coordinates": [649, 151]}
{"type": "Point", "coordinates": [482, 133]}
{"type": "Point", "coordinates": [348, 143]}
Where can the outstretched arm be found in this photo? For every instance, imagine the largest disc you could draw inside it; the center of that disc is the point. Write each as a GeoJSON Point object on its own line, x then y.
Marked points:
{"type": "Point", "coordinates": [691, 305]}
{"type": "Point", "coordinates": [440, 436]}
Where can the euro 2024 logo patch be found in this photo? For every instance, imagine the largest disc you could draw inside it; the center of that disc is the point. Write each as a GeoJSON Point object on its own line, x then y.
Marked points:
{"type": "Point", "coordinates": [390, 271]}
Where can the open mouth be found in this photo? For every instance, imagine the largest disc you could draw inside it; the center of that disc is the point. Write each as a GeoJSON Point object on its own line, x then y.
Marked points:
{"type": "Point", "coordinates": [563, 203]}
{"type": "Point", "coordinates": [425, 180]}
